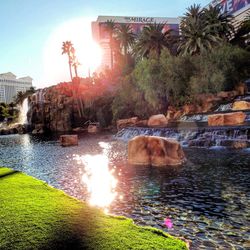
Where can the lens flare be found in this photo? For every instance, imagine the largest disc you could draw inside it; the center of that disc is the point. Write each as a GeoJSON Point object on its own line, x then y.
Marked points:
{"type": "Point", "coordinates": [99, 180]}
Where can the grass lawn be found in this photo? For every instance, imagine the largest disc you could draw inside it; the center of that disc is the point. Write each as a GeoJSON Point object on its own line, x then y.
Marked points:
{"type": "Point", "coordinates": [34, 215]}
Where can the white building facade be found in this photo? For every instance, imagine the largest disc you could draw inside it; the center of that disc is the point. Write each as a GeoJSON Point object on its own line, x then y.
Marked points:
{"type": "Point", "coordinates": [10, 86]}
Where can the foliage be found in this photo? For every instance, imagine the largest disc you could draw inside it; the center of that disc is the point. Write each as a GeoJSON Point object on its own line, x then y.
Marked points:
{"type": "Point", "coordinates": [68, 48]}
{"type": "Point", "coordinates": [34, 212]}
{"type": "Point", "coordinates": [126, 38]}
{"type": "Point", "coordinates": [203, 29]}
{"type": "Point", "coordinates": [130, 101]}
{"type": "Point", "coordinates": [7, 112]}
{"type": "Point", "coordinates": [152, 40]}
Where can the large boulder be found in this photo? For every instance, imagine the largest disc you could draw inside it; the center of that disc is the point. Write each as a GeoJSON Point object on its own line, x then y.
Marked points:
{"type": "Point", "coordinates": [235, 118]}
{"type": "Point", "coordinates": [123, 123]}
{"type": "Point", "coordinates": [157, 120]}
{"type": "Point", "coordinates": [241, 105]}
{"type": "Point", "coordinates": [215, 120]}
{"type": "Point", "coordinates": [155, 151]}
{"type": "Point", "coordinates": [68, 140]}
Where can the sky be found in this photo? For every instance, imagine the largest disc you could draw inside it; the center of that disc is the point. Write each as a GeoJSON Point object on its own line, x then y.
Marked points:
{"type": "Point", "coordinates": [32, 32]}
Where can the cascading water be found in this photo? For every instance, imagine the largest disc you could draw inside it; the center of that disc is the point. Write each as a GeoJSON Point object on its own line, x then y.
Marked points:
{"type": "Point", "coordinates": [24, 108]}
{"type": "Point", "coordinates": [199, 137]}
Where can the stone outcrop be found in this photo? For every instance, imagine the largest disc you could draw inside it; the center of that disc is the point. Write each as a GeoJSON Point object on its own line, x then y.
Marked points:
{"type": "Point", "coordinates": [235, 144]}
{"type": "Point", "coordinates": [39, 129]}
{"type": "Point", "coordinates": [157, 120]}
{"type": "Point", "coordinates": [155, 151]}
{"type": "Point", "coordinates": [123, 123]}
{"type": "Point", "coordinates": [13, 129]}
{"type": "Point", "coordinates": [235, 118]}
{"type": "Point", "coordinates": [92, 129]}
{"type": "Point", "coordinates": [68, 140]}
{"type": "Point", "coordinates": [241, 105]}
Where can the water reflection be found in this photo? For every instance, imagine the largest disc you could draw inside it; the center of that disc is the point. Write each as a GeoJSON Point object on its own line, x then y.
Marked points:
{"type": "Point", "coordinates": [99, 180]}
{"type": "Point", "coordinates": [207, 199]}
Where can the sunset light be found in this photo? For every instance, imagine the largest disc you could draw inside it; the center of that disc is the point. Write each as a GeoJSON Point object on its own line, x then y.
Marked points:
{"type": "Point", "coordinates": [89, 53]}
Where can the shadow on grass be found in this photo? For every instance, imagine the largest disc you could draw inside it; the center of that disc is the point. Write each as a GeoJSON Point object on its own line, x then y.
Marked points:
{"type": "Point", "coordinates": [77, 232]}
{"type": "Point", "coordinates": [10, 172]}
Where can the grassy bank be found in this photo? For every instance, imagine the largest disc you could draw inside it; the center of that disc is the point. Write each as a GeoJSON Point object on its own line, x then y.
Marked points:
{"type": "Point", "coordinates": [35, 216]}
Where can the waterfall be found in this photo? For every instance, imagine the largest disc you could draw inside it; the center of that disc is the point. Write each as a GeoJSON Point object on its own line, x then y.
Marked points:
{"type": "Point", "coordinates": [23, 112]}
{"type": "Point", "coordinates": [199, 137]}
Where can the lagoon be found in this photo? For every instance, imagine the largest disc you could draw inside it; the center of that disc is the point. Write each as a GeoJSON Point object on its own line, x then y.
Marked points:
{"type": "Point", "coordinates": [207, 199]}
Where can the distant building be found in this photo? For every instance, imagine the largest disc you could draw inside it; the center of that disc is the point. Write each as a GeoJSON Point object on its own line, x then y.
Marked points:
{"type": "Point", "coordinates": [236, 8]}
{"type": "Point", "coordinates": [10, 86]}
{"type": "Point", "coordinates": [100, 35]}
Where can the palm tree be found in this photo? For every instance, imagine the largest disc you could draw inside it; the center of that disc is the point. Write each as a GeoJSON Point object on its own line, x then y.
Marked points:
{"type": "Point", "coordinates": [196, 34]}
{"type": "Point", "coordinates": [111, 29]}
{"type": "Point", "coordinates": [20, 96]}
{"type": "Point", "coordinates": [126, 38]}
{"type": "Point", "coordinates": [67, 49]}
{"type": "Point", "coordinates": [218, 23]}
{"type": "Point", "coordinates": [153, 40]}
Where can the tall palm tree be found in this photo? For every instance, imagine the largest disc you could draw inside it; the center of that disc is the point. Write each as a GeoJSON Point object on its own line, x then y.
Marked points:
{"type": "Point", "coordinates": [111, 29]}
{"type": "Point", "coordinates": [218, 23]}
{"type": "Point", "coordinates": [67, 49]}
{"type": "Point", "coordinates": [196, 34]}
{"type": "Point", "coordinates": [126, 38]}
{"type": "Point", "coordinates": [152, 40]}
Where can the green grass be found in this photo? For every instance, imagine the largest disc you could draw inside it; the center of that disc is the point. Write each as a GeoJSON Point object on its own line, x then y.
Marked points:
{"type": "Point", "coordinates": [34, 215]}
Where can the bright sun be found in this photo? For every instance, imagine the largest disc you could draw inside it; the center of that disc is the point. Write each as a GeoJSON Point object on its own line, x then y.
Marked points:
{"type": "Point", "coordinates": [89, 54]}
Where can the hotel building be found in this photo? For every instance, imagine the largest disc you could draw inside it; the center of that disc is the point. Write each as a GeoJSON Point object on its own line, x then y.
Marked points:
{"type": "Point", "coordinates": [101, 36]}
{"type": "Point", "coordinates": [237, 8]}
{"type": "Point", "coordinates": [10, 86]}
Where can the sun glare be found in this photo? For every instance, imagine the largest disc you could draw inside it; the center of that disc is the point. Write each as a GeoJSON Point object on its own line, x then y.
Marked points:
{"type": "Point", "coordinates": [99, 180]}
{"type": "Point", "coordinates": [88, 52]}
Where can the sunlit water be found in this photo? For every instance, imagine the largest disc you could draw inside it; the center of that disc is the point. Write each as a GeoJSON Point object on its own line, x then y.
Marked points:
{"type": "Point", "coordinates": [207, 199]}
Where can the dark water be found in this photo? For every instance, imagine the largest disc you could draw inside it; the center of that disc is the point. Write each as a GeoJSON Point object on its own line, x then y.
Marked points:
{"type": "Point", "coordinates": [207, 199]}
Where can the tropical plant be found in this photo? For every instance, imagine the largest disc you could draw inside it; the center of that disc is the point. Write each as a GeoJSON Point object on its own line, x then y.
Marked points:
{"type": "Point", "coordinates": [111, 29]}
{"type": "Point", "coordinates": [218, 23]}
{"type": "Point", "coordinates": [152, 40]}
{"type": "Point", "coordinates": [68, 48]}
{"type": "Point", "coordinates": [126, 38]}
{"type": "Point", "coordinates": [196, 33]}
{"type": "Point", "coordinates": [20, 96]}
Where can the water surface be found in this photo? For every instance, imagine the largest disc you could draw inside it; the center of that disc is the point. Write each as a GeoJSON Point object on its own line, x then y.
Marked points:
{"type": "Point", "coordinates": [207, 199]}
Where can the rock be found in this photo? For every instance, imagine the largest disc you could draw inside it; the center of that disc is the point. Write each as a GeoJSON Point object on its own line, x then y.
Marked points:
{"type": "Point", "coordinates": [215, 120]}
{"type": "Point", "coordinates": [156, 151]}
{"type": "Point", "coordinates": [78, 129]}
{"type": "Point", "coordinates": [241, 105]}
{"type": "Point", "coordinates": [123, 123]}
{"type": "Point", "coordinates": [241, 89]}
{"type": "Point", "coordinates": [39, 129]}
{"type": "Point", "coordinates": [93, 128]}
{"type": "Point", "coordinates": [142, 123]}
{"type": "Point", "coordinates": [235, 144]}
{"type": "Point", "coordinates": [235, 118]}
{"type": "Point", "coordinates": [157, 120]}
{"type": "Point", "coordinates": [68, 140]}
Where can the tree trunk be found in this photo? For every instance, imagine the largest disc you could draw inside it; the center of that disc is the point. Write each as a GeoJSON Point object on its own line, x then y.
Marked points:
{"type": "Point", "coordinates": [111, 50]}
{"type": "Point", "coordinates": [75, 68]}
{"type": "Point", "coordinates": [70, 71]}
